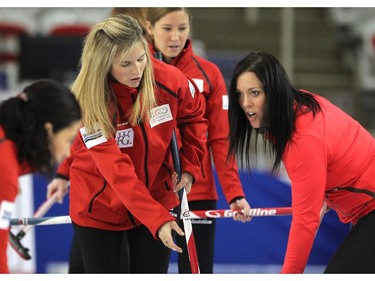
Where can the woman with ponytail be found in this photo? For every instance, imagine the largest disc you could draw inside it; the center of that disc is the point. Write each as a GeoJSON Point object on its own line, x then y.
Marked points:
{"type": "Point", "coordinates": [36, 129]}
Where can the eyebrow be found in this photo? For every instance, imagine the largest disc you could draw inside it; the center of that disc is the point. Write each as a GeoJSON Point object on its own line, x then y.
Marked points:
{"type": "Point", "coordinates": [125, 61]}
{"type": "Point", "coordinates": [169, 24]}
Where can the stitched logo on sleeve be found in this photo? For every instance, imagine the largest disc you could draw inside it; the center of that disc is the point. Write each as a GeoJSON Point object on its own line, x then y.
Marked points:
{"type": "Point", "coordinates": [192, 89]}
{"type": "Point", "coordinates": [225, 102]}
{"type": "Point", "coordinates": [160, 114]}
{"type": "Point", "coordinates": [6, 210]}
{"type": "Point", "coordinates": [94, 139]}
{"type": "Point", "coordinates": [125, 138]}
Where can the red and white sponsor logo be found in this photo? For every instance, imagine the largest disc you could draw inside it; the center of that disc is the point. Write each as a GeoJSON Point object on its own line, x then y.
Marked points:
{"type": "Point", "coordinates": [256, 212]}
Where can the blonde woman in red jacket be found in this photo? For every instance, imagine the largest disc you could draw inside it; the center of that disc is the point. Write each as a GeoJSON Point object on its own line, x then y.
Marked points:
{"type": "Point", "coordinates": [168, 30]}
{"type": "Point", "coordinates": [36, 129]}
{"type": "Point", "coordinates": [121, 169]}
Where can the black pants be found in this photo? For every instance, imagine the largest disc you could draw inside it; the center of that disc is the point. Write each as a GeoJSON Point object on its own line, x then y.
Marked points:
{"type": "Point", "coordinates": [356, 254]}
{"type": "Point", "coordinates": [204, 236]}
{"type": "Point", "coordinates": [102, 251]}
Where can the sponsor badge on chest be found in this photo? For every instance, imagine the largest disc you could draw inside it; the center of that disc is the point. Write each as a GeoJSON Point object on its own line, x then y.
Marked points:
{"type": "Point", "coordinates": [125, 138]}
{"type": "Point", "coordinates": [160, 114]}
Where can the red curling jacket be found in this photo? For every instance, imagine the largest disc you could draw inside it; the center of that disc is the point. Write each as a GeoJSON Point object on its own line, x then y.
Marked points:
{"type": "Point", "coordinates": [10, 169]}
{"type": "Point", "coordinates": [212, 86]}
{"type": "Point", "coordinates": [330, 157]}
{"type": "Point", "coordinates": [125, 181]}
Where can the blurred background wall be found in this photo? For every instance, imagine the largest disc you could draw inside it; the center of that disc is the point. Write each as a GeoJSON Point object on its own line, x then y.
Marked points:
{"type": "Point", "coordinates": [329, 51]}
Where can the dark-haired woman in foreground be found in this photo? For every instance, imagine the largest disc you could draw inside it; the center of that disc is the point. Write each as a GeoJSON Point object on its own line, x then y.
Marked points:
{"type": "Point", "coordinates": [36, 129]}
{"type": "Point", "coordinates": [329, 158]}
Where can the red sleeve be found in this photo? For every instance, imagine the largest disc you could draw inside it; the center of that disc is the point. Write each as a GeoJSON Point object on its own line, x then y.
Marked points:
{"type": "Point", "coordinates": [305, 162]}
{"type": "Point", "coordinates": [192, 126]}
{"type": "Point", "coordinates": [64, 167]}
{"type": "Point", "coordinates": [217, 138]}
{"type": "Point", "coordinates": [3, 251]}
{"type": "Point", "coordinates": [9, 168]}
{"type": "Point", "coordinates": [118, 170]}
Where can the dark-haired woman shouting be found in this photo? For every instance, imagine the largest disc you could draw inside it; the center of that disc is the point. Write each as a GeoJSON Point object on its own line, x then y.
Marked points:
{"type": "Point", "coordinates": [329, 158]}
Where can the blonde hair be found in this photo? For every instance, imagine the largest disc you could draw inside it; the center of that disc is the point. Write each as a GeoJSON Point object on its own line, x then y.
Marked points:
{"type": "Point", "coordinates": [117, 35]}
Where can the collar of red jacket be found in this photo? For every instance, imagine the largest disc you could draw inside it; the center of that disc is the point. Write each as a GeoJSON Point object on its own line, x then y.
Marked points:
{"type": "Point", "coordinates": [122, 90]}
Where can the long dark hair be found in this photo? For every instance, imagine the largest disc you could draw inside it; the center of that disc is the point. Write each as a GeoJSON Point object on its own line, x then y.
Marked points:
{"type": "Point", "coordinates": [282, 103]}
{"type": "Point", "coordinates": [23, 119]}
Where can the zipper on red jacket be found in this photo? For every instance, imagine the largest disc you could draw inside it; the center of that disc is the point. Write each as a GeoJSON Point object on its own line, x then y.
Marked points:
{"type": "Point", "coordinates": [353, 189]}
{"type": "Point", "coordinates": [349, 189]}
{"type": "Point", "coordinates": [203, 73]}
{"type": "Point", "coordinates": [96, 195]}
{"type": "Point", "coordinates": [146, 152]}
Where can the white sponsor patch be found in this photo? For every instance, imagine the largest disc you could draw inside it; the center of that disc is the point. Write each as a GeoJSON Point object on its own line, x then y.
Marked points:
{"type": "Point", "coordinates": [91, 140]}
{"type": "Point", "coordinates": [6, 211]}
{"type": "Point", "coordinates": [160, 114]}
{"type": "Point", "coordinates": [225, 102]}
{"type": "Point", "coordinates": [125, 138]}
{"type": "Point", "coordinates": [199, 83]}
{"type": "Point", "coordinates": [192, 89]}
